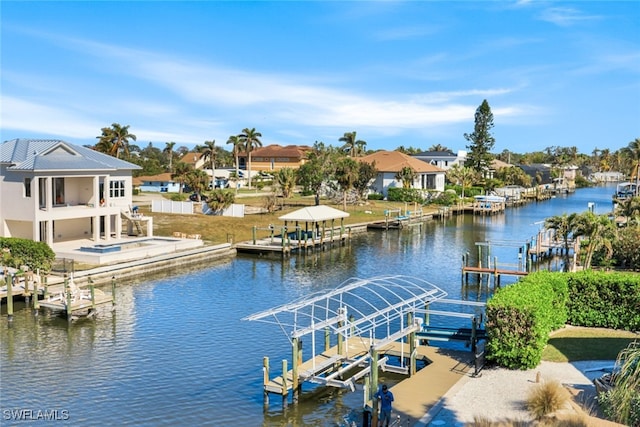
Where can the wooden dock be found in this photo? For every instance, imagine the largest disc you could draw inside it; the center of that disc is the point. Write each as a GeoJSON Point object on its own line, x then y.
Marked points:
{"type": "Point", "coordinates": [414, 395]}
{"type": "Point", "coordinates": [65, 297]}
{"type": "Point", "coordinates": [289, 244]}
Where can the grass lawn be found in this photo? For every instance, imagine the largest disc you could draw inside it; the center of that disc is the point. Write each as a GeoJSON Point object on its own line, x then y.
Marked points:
{"type": "Point", "coordinates": [575, 343]}
{"type": "Point", "coordinates": [218, 229]}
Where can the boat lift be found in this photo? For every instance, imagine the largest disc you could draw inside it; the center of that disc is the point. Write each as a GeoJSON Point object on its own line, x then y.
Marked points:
{"type": "Point", "coordinates": [371, 320]}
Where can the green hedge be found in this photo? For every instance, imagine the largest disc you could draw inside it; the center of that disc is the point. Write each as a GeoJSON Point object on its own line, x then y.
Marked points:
{"type": "Point", "coordinates": [404, 195]}
{"type": "Point", "coordinates": [36, 255]}
{"type": "Point", "coordinates": [520, 317]}
{"type": "Point", "coordinates": [604, 300]}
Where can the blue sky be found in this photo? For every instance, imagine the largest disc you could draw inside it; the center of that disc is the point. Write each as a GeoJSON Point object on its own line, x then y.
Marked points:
{"type": "Point", "coordinates": [406, 73]}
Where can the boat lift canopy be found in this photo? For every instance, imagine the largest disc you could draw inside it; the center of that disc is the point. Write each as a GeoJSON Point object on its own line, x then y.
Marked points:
{"type": "Point", "coordinates": [358, 307]}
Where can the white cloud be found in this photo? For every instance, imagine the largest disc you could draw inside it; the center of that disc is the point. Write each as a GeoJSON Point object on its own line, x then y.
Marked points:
{"type": "Point", "coordinates": [564, 16]}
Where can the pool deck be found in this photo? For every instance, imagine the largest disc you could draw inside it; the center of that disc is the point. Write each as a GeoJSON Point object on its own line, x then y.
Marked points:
{"type": "Point", "coordinates": [152, 246]}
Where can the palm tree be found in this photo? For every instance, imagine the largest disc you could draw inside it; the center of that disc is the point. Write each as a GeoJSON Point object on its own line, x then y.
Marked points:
{"type": "Point", "coordinates": [285, 179]}
{"type": "Point", "coordinates": [116, 138]}
{"type": "Point", "coordinates": [462, 176]}
{"type": "Point", "coordinates": [598, 231]}
{"type": "Point", "coordinates": [407, 175]}
{"type": "Point", "coordinates": [352, 146]}
{"type": "Point", "coordinates": [197, 179]}
{"type": "Point", "coordinates": [632, 151]}
{"type": "Point", "coordinates": [181, 173]}
{"type": "Point", "coordinates": [208, 151]}
{"type": "Point", "coordinates": [565, 226]}
{"type": "Point", "coordinates": [168, 149]}
{"type": "Point", "coordinates": [438, 147]}
{"type": "Point", "coordinates": [250, 139]}
{"type": "Point", "coordinates": [237, 148]}
{"type": "Point", "coordinates": [346, 174]}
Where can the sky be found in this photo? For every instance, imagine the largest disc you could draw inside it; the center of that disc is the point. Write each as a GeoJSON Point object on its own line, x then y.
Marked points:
{"type": "Point", "coordinates": [399, 73]}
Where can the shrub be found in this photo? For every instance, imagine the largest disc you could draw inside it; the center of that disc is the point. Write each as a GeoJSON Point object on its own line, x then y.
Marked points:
{"type": "Point", "coordinates": [375, 196]}
{"type": "Point", "coordinates": [546, 398]}
{"type": "Point", "coordinates": [445, 199]}
{"type": "Point", "coordinates": [404, 195]}
{"type": "Point", "coordinates": [520, 317]}
{"type": "Point", "coordinates": [622, 403]}
{"type": "Point", "coordinates": [17, 252]}
{"type": "Point", "coordinates": [626, 249]}
{"type": "Point", "coordinates": [602, 299]}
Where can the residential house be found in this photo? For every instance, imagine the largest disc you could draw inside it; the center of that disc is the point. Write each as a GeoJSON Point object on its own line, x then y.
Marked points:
{"type": "Point", "coordinates": [271, 158]}
{"type": "Point", "coordinates": [389, 163]}
{"type": "Point", "coordinates": [54, 191]}
{"type": "Point", "coordinates": [540, 174]}
{"type": "Point", "coordinates": [194, 159]}
{"type": "Point", "coordinates": [161, 183]}
{"type": "Point", "coordinates": [442, 159]}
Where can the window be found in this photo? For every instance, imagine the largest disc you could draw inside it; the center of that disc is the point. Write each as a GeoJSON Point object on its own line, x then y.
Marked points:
{"type": "Point", "coordinates": [27, 187]}
{"type": "Point", "coordinates": [58, 191]}
{"type": "Point", "coordinates": [116, 189]}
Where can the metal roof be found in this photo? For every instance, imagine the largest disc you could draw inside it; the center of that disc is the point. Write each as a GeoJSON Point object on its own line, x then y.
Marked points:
{"type": "Point", "coordinates": [314, 214]}
{"type": "Point", "coordinates": [370, 305]}
{"type": "Point", "coordinates": [54, 154]}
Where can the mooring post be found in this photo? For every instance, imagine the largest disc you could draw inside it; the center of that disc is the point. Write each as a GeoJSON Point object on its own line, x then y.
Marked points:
{"type": "Point", "coordinates": [9, 281]}
{"type": "Point", "coordinates": [327, 339]}
{"type": "Point", "coordinates": [36, 302]}
{"type": "Point", "coordinates": [93, 294]}
{"type": "Point", "coordinates": [284, 383]}
{"type": "Point", "coordinates": [341, 311]}
{"type": "Point", "coordinates": [496, 275]}
{"type": "Point", "coordinates": [294, 367]}
{"type": "Point", "coordinates": [474, 326]}
{"type": "Point", "coordinates": [283, 232]}
{"type": "Point", "coordinates": [265, 380]}
{"type": "Point", "coordinates": [253, 232]}
{"type": "Point", "coordinates": [113, 291]}
{"type": "Point", "coordinates": [46, 287]}
{"type": "Point", "coordinates": [68, 294]}
{"type": "Point", "coordinates": [25, 275]}
{"type": "Point", "coordinates": [479, 256]}
{"type": "Point", "coordinates": [426, 314]}
{"type": "Point", "coordinates": [374, 384]}
{"type": "Point", "coordinates": [412, 346]}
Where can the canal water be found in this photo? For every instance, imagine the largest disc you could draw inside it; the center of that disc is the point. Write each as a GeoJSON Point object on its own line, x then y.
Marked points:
{"type": "Point", "coordinates": [176, 351]}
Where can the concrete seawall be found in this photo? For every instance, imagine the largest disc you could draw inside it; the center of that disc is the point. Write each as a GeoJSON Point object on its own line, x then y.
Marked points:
{"type": "Point", "coordinates": [151, 265]}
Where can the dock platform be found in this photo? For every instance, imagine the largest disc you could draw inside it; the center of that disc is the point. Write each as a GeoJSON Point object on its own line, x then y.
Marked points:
{"type": "Point", "coordinates": [276, 244]}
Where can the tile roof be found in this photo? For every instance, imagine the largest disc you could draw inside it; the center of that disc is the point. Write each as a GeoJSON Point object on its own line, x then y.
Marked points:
{"type": "Point", "coordinates": [275, 150]}
{"type": "Point", "coordinates": [54, 154]}
{"type": "Point", "coordinates": [394, 161]}
{"type": "Point", "coordinates": [162, 177]}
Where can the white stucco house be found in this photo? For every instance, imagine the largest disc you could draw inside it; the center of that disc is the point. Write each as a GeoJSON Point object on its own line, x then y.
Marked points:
{"type": "Point", "coordinates": [389, 163]}
{"type": "Point", "coordinates": [443, 159]}
{"type": "Point", "coordinates": [54, 191]}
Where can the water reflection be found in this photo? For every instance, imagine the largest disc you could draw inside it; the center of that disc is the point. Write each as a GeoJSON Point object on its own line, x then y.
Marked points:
{"type": "Point", "coordinates": [176, 353]}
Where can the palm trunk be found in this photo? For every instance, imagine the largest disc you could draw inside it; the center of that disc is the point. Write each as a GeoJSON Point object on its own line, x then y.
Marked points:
{"type": "Point", "coordinates": [249, 168]}
{"type": "Point", "coordinates": [237, 173]}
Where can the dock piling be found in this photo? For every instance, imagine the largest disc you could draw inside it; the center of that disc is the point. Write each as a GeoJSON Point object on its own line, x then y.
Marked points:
{"type": "Point", "coordinates": [265, 380]}
{"type": "Point", "coordinates": [9, 281]}
{"type": "Point", "coordinates": [113, 292]}
{"type": "Point", "coordinates": [285, 392]}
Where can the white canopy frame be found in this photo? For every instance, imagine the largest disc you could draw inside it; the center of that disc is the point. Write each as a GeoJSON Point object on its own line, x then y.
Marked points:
{"type": "Point", "coordinates": [374, 309]}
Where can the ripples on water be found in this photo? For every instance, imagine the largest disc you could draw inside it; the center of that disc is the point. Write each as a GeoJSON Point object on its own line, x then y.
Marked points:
{"type": "Point", "coordinates": [176, 353]}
